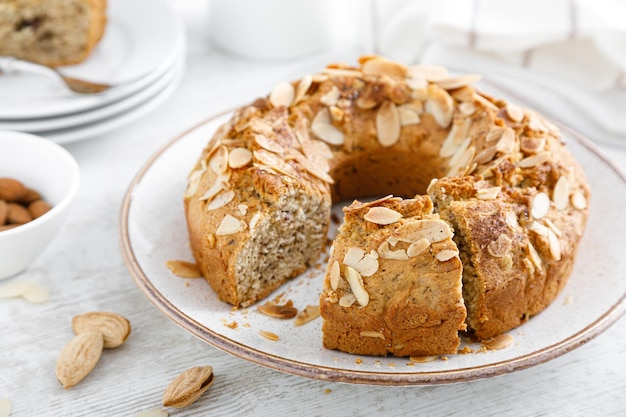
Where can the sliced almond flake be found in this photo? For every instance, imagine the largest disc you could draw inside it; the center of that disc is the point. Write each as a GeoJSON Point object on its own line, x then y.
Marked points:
{"type": "Point", "coordinates": [388, 125]}
{"type": "Point", "coordinates": [553, 227]}
{"type": "Point", "coordinates": [440, 105]}
{"type": "Point", "coordinates": [510, 219]}
{"type": "Point", "coordinates": [347, 300]}
{"type": "Point", "coordinates": [532, 145]}
{"type": "Point", "coordinates": [482, 100]}
{"type": "Point", "coordinates": [282, 95]}
{"type": "Point", "coordinates": [229, 226]}
{"type": "Point", "coordinates": [446, 255]}
{"type": "Point", "coordinates": [536, 122]}
{"type": "Point", "coordinates": [331, 97]}
{"type": "Point", "coordinates": [385, 252]}
{"type": "Point", "coordinates": [183, 269]}
{"type": "Point", "coordinates": [356, 285]}
{"type": "Point", "coordinates": [338, 72]}
{"type": "Point", "coordinates": [235, 143]}
{"type": "Point", "coordinates": [578, 200]}
{"type": "Point", "coordinates": [499, 342]}
{"type": "Point", "coordinates": [514, 112]}
{"type": "Point", "coordinates": [220, 183]}
{"type": "Point", "coordinates": [336, 113]}
{"type": "Point", "coordinates": [487, 171]}
{"type": "Point", "coordinates": [486, 155]}
{"type": "Point", "coordinates": [261, 126]}
{"type": "Point", "coordinates": [538, 228]}
{"type": "Point", "coordinates": [309, 313]}
{"type": "Point", "coordinates": [318, 170]}
{"type": "Point", "coordinates": [418, 247]}
{"type": "Point", "coordinates": [324, 130]}
{"type": "Point", "coordinates": [535, 160]}
{"type": "Point", "coordinates": [463, 166]}
{"type": "Point", "coordinates": [382, 215]}
{"type": "Point", "coordinates": [378, 201]}
{"type": "Point", "coordinates": [36, 293]}
{"type": "Point", "coordinates": [433, 230]}
{"type": "Point", "coordinates": [554, 246]}
{"type": "Point", "coordinates": [269, 335]}
{"type": "Point", "coordinates": [254, 220]}
{"type": "Point", "coordinates": [506, 143]}
{"type": "Point", "coordinates": [334, 275]}
{"type": "Point", "coordinates": [14, 289]}
{"type": "Point", "coordinates": [451, 83]}
{"type": "Point", "coordinates": [540, 205]}
{"type": "Point", "coordinates": [456, 136]}
{"type": "Point", "coordinates": [429, 72]}
{"type": "Point", "coordinates": [561, 192]}
{"type": "Point", "coordinates": [239, 158]}
{"type": "Point", "coordinates": [303, 88]}
{"type": "Point", "coordinates": [371, 333]}
{"type": "Point", "coordinates": [500, 247]}
{"type": "Point", "coordinates": [467, 108]}
{"type": "Point", "coordinates": [383, 66]}
{"type": "Point", "coordinates": [416, 81]}
{"type": "Point", "coordinates": [268, 144]}
{"type": "Point", "coordinates": [353, 256]}
{"type": "Point", "coordinates": [495, 134]}
{"type": "Point", "coordinates": [458, 154]}
{"type": "Point", "coordinates": [490, 193]}
{"type": "Point", "coordinates": [219, 160]}
{"type": "Point", "coordinates": [220, 200]}
{"type": "Point", "coordinates": [243, 209]}
{"type": "Point", "coordinates": [534, 256]}
{"type": "Point", "coordinates": [274, 162]}
{"type": "Point", "coordinates": [408, 115]}
{"type": "Point", "coordinates": [393, 240]}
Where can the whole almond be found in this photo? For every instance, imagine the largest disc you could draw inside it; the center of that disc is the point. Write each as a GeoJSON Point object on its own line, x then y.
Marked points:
{"type": "Point", "coordinates": [17, 214]}
{"type": "Point", "coordinates": [4, 212]}
{"type": "Point", "coordinates": [187, 387]}
{"type": "Point", "coordinates": [114, 328]}
{"type": "Point", "coordinates": [11, 190]}
{"type": "Point", "coordinates": [30, 195]}
{"type": "Point", "coordinates": [78, 358]}
{"type": "Point", "coordinates": [38, 208]}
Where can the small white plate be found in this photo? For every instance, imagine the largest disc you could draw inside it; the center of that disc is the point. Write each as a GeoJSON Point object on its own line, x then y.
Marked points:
{"type": "Point", "coordinates": [133, 49]}
{"type": "Point", "coordinates": [105, 125]}
{"type": "Point", "coordinates": [76, 120]}
{"type": "Point", "coordinates": [596, 291]}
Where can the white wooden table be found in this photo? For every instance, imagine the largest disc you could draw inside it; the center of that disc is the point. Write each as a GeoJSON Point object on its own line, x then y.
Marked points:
{"type": "Point", "coordinates": [84, 271]}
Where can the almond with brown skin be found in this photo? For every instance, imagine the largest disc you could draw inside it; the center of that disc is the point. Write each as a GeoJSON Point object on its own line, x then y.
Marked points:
{"type": "Point", "coordinates": [4, 212]}
{"type": "Point", "coordinates": [17, 214]}
{"type": "Point", "coordinates": [78, 358]}
{"type": "Point", "coordinates": [187, 387]}
{"type": "Point", "coordinates": [114, 328]}
{"type": "Point", "coordinates": [38, 208]}
{"type": "Point", "coordinates": [11, 190]}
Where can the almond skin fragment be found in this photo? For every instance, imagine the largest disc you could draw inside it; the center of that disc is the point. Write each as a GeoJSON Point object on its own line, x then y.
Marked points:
{"type": "Point", "coordinates": [187, 387]}
{"type": "Point", "coordinates": [114, 328]}
{"type": "Point", "coordinates": [78, 358]}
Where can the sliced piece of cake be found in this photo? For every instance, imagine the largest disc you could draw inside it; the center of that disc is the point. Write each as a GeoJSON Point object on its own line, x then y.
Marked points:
{"type": "Point", "coordinates": [393, 284]}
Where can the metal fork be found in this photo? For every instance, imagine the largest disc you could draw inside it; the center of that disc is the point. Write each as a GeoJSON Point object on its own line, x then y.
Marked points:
{"type": "Point", "coordinates": [10, 65]}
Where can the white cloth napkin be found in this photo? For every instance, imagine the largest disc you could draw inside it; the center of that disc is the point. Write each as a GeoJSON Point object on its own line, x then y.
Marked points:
{"type": "Point", "coordinates": [565, 58]}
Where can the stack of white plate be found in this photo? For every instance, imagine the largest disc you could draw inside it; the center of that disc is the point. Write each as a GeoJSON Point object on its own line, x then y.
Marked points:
{"type": "Point", "coordinates": [142, 53]}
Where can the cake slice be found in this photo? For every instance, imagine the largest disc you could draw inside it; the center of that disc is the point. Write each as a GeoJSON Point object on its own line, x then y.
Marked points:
{"type": "Point", "coordinates": [51, 32]}
{"type": "Point", "coordinates": [393, 283]}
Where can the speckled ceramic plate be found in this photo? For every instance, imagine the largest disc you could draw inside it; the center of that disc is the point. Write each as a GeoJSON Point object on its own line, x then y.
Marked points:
{"type": "Point", "coordinates": [153, 230]}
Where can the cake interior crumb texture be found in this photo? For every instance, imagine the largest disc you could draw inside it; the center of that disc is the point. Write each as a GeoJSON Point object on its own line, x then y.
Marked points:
{"type": "Point", "coordinates": [51, 32]}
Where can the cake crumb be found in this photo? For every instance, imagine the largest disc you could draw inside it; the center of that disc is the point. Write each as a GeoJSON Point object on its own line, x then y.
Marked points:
{"type": "Point", "coordinates": [358, 361]}
{"type": "Point", "coordinates": [328, 391]}
{"type": "Point", "coordinates": [465, 350]}
{"type": "Point", "coordinates": [568, 300]}
{"type": "Point", "coordinates": [231, 325]}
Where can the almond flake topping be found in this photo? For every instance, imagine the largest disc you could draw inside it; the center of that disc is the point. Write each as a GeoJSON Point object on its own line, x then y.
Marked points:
{"type": "Point", "coordinates": [446, 255]}
{"type": "Point", "coordinates": [268, 144]}
{"type": "Point", "coordinates": [511, 220]}
{"type": "Point", "coordinates": [356, 285]}
{"type": "Point", "coordinates": [561, 192]}
{"type": "Point", "coordinates": [578, 200]}
{"type": "Point", "coordinates": [229, 226]}
{"type": "Point", "coordinates": [331, 97]}
{"type": "Point", "coordinates": [380, 66]}
{"type": "Point", "coordinates": [456, 136]}
{"type": "Point", "coordinates": [303, 87]}
{"type": "Point", "coordinates": [433, 230]}
{"type": "Point", "coordinates": [534, 256]}
{"type": "Point", "coordinates": [486, 155]}
{"type": "Point", "coordinates": [499, 247]}
{"type": "Point", "coordinates": [347, 300]}
{"type": "Point", "coordinates": [382, 215]}
{"type": "Point", "coordinates": [388, 125]}
{"type": "Point", "coordinates": [409, 115]}
{"type": "Point", "coordinates": [282, 95]}
{"type": "Point", "coordinates": [554, 246]}
{"type": "Point", "coordinates": [371, 333]}
{"type": "Point", "coordinates": [535, 160]}
{"type": "Point", "coordinates": [334, 275]}
{"type": "Point", "coordinates": [538, 228]}
{"type": "Point", "coordinates": [490, 193]}
{"type": "Point", "coordinates": [308, 314]}
{"type": "Point", "coordinates": [260, 126]}
{"type": "Point", "coordinates": [385, 252]}
{"type": "Point", "coordinates": [431, 73]}
{"type": "Point", "coordinates": [463, 166]}
{"type": "Point", "coordinates": [417, 248]}
{"type": "Point", "coordinates": [239, 158]}
{"type": "Point", "coordinates": [540, 205]}
{"type": "Point", "coordinates": [365, 263]}
{"type": "Point", "coordinates": [324, 130]}
{"type": "Point", "coordinates": [467, 108]}
{"type": "Point", "coordinates": [221, 199]}
{"type": "Point", "coordinates": [514, 112]}
{"type": "Point", "coordinates": [452, 83]}
{"type": "Point", "coordinates": [220, 183]}
{"type": "Point", "coordinates": [219, 160]}
{"type": "Point", "coordinates": [440, 105]}
{"type": "Point", "coordinates": [532, 145]}
{"type": "Point", "coordinates": [506, 144]}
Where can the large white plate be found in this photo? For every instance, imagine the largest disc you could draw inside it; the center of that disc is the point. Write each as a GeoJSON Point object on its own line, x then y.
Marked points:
{"type": "Point", "coordinates": [153, 230]}
{"type": "Point", "coordinates": [108, 124]}
{"type": "Point", "coordinates": [133, 50]}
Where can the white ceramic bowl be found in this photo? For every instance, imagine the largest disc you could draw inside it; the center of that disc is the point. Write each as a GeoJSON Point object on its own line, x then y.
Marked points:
{"type": "Point", "coordinates": [49, 169]}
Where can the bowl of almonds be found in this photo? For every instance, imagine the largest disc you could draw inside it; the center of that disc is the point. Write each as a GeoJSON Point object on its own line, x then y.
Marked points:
{"type": "Point", "coordinates": [38, 181]}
